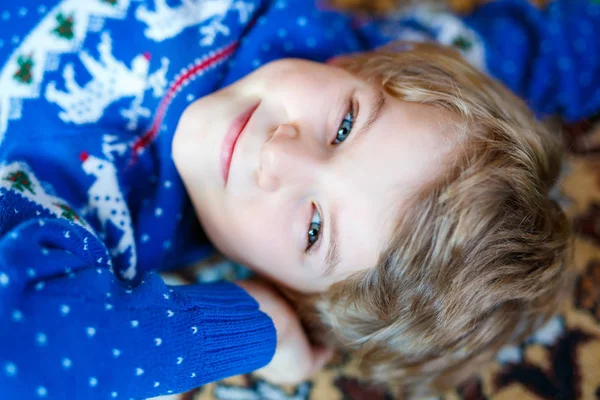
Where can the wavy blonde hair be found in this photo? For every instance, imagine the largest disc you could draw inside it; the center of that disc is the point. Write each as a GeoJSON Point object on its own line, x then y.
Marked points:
{"type": "Point", "coordinates": [479, 256]}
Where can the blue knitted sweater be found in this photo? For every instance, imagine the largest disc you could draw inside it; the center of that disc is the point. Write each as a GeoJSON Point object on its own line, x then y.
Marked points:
{"type": "Point", "coordinates": [91, 206]}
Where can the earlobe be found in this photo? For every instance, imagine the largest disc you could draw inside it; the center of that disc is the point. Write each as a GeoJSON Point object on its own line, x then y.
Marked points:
{"type": "Point", "coordinates": [337, 61]}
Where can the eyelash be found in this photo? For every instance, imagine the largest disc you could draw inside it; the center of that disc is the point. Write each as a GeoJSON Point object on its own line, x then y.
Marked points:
{"type": "Point", "coordinates": [350, 121]}
{"type": "Point", "coordinates": [316, 223]}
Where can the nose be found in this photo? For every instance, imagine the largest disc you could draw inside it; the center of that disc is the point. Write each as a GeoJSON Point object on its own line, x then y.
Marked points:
{"type": "Point", "coordinates": [286, 159]}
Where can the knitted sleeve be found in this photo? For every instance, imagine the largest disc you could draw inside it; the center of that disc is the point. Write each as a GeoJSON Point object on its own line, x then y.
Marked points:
{"type": "Point", "coordinates": [71, 329]}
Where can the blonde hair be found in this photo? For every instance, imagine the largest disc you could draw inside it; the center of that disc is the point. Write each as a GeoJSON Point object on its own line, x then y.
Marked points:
{"type": "Point", "coordinates": [478, 257]}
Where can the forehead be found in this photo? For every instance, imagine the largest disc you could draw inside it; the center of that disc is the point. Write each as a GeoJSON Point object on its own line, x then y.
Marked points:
{"type": "Point", "coordinates": [404, 150]}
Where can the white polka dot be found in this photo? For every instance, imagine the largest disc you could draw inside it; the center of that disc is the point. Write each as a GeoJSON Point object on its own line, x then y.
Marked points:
{"type": "Point", "coordinates": [179, 360]}
{"type": "Point", "coordinates": [281, 4]}
{"type": "Point", "coordinates": [564, 63]}
{"type": "Point", "coordinates": [193, 375]}
{"type": "Point", "coordinates": [10, 369]}
{"type": "Point", "coordinates": [116, 353]}
{"type": "Point", "coordinates": [5, 15]}
{"type": "Point", "coordinates": [45, 252]}
{"type": "Point", "coordinates": [256, 63]}
{"type": "Point", "coordinates": [41, 338]}
{"type": "Point", "coordinates": [17, 315]}
{"type": "Point", "coordinates": [189, 97]}
{"type": "Point", "coordinates": [156, 384]}
{"type": "Point", "coordinates": [40, 285]}
{"type": "Point", "coordinates": [170, 313]}
{"type": "Point", "coordinates": [22, 11]}
{"type": "Point", "coordinates": [194, 330]}
{"type": "Point", "coordinates": [546, 46]}
{"type": "Point", "coordinates": [586, 79]}
{"type": "Point", "coordinates": [41, 391]}
{"type": "Point", "coordinates": [42, 9]}
{"type": "Point", "coordinates": [14, 235]}
{"type": "Point", "coordinates": [64, 310]}
{"type": "Point", "coordinates": [169, 391]}
{"type": "Point", "coordinates": [281, 32]}
{"type": "Point", "coordinates": [99, 271]}
{"type": "Point", "coordinates": [301, 21]}
{"type": "Point", "coordinates": [134, 323]}
{"type": "Point", "coordinates": [108, 306]}
{"type": "Point", "coordinates": [509, 67]}
{"type": "Point", "coordinates": [580, 45]}
{"type": "Point", "coordinates": [93, 381]}
{"type": "Point", "coordinates": [158, 212]}
{"type": "Point", "coordinates": [67, 363]}
{"type": "Point", "coordinates": [145, 237]}
{"type": "Point", "coordinates": [338, 25]}
{"type": "Point", "coordinates": [113, 394]}
{"type": "Point", "coordinates": [157, 341]}
{"type": "Point", "coordinates": [90, 331]}
{"type": "Point", "coordinates": [167, 184]}
{"type": "Point", "coordinates": [67, 234]}
{"type": "Point", "coordinates": [586, 28]}
{"type": "Point", "coordinates": [4, 279]}
{"type": "Point", "coordinates": [311, 42]}
{"type": "Point", "coordinates": [31, 272]}
{"type": "Point", "coordinates": [139, 371]}
{"type": "Point", "coordinates": [128, 291]}
{"type": "Point", "coordinates": [108, 294]}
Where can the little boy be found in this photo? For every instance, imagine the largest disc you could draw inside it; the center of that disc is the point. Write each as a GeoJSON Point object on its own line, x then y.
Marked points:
{"type": "Point", "coordinates": [299, 170]}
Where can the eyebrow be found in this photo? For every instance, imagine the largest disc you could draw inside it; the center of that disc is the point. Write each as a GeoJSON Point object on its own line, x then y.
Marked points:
{"type": "Point", "coordinates": [376, 111]}
{"type": "Point", "coordinates": [332, 259]}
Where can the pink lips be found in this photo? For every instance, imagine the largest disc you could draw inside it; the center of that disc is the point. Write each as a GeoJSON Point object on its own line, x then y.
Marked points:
{"type": "Point", "coordinates": [233, 133]}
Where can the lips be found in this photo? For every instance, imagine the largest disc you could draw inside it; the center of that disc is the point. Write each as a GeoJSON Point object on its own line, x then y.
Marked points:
{"type": "Point", "coordinates": [233, 134]}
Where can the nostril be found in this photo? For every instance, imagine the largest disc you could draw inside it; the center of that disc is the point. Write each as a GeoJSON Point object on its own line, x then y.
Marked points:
{"type": "Point", "coordinates": [286, 130]}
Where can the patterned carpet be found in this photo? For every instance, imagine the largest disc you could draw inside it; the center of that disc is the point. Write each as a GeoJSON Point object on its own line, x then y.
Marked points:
{"type": "Point", "coordinates": [562, 361]}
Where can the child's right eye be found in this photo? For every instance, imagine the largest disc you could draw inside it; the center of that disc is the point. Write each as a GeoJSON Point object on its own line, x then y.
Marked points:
{"type": "Point", "coordinates": [314, 229]}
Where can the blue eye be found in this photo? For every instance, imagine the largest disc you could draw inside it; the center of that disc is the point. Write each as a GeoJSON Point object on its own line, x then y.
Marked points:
{"type": "Point", "coordinates": [345, 127]}
{"type": "Point", "coordinates": [314, 229]}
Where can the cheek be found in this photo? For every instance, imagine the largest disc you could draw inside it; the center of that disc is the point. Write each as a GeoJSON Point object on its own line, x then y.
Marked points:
{"type": "Point", "coordinates": [261, 239]}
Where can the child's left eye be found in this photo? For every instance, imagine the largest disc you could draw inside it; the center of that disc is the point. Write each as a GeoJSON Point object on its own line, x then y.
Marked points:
{"type": "Point", "coordinates": [314, 229]}
{"type": "Point", "coordinates": [345, 127]}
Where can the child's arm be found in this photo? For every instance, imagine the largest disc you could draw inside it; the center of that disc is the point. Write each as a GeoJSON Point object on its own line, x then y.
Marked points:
{"type": "Point", "coordinates": [550, 57]}
{"type": "Point", "coordinates": [70, 329]}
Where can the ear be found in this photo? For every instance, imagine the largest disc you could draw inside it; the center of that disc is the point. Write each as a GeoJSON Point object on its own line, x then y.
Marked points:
{"type": "Point", "coordinates": [337, 61]}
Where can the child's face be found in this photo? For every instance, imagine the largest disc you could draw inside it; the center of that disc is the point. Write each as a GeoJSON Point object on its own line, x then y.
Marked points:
{"type": "Point", "coordinates": [286, 170]}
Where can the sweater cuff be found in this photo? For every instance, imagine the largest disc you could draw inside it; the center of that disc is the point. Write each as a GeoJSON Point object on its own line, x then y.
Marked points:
{"type": "Point", "coordinates": [237, 337]}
